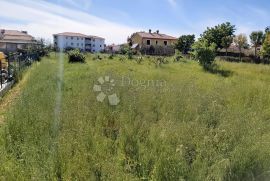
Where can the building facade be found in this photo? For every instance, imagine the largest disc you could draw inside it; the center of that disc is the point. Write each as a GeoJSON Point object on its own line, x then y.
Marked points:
{"type": "Point", "coordinates": [69, 40]}
{"type": "Point", "coordinates": [153, 43]}
{"type": "Point", "coordinates": [113, 48]}
{"type": "Point", "coordinates": [152, 38]}
{"type": "Point", "coordinates": [14, 40]}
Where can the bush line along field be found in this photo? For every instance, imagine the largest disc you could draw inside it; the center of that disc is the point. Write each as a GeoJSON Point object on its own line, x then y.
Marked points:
{"type": "Point", "coordinates": [198, 126]}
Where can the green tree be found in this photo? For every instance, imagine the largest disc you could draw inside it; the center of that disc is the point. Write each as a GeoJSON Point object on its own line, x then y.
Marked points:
{"type": "Point", "coordinates": [240, 41]}
{"type": "Point", "coordinates": [204, 53]}
{"type": "Point", "coordinates": [267, 29]}
{"type": "Point", "coordinates": [129, 41]}
{"type": "Point", "coordinates": [266, 47]}
{"type": "Point", "coordinates": [184, 43]}
{"type": "Point", "coordinates": [124, 48]}
{"type": "Point", "coordinates": [256, 38]}
{"type": "Point", "coordinates": [226, 43]}
{"type": "Point", "coordinates": [217, 33]}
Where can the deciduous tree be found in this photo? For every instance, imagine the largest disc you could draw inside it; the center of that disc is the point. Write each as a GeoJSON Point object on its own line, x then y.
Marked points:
{"type": "Point", "coordinates": [267, 29]}
{"type": "Point", "coordinates": [256, 38]}
{"type": "Point", "coordinates": [184, 43]}
{"type": "Point", "coordinates": [226, 43]}
{"type": "Point", "coordinates": [217, 33]}
{"type": "Point", "coordinates": [266, 47]}
{"type": "Point", "coordinates": [240, 41]}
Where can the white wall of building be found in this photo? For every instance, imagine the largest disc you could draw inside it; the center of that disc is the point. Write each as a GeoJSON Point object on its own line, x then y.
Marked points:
{"type": "Point", "coordinates": [98, 45]}
{"type": "Point", "coordinates": [62, 42]}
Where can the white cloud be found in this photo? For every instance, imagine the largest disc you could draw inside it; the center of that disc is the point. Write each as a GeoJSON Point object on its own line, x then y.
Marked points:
{"type": "Point", "coordinates": [42, 19]}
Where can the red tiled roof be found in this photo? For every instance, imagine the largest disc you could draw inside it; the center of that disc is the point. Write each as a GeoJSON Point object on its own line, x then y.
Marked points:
{"type": "Point", "coordinates": [156, 36]}
{"type": "Point", "coordinates": [15, 36]}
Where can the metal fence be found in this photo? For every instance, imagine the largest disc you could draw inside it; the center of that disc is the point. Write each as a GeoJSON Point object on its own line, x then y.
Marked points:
{"type": "Point", "coordinates": [11, 68]}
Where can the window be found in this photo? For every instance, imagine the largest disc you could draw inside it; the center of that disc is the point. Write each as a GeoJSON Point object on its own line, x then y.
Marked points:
{"type": "Point", "coordinates": [78, 44]}
{"type": "Point", "coordinates": [165, 43]}
{"type": "Point", "coordinates": [66, 37]}
{"type": "Point", "coordinates": [82, 44]}
{"type": "Point", "coordinates": [156, 42]}
{"type": "Point", "coordinates": [94, 45]}
{"type": "Point", "coordinates": [77, 38]}
{"type": "Point", "coordinates": [72, 38]}
{"type": "Point", "coordinates": [148, 42]}
{"type": "Point", "coordinates": [100, 46]}
{"type": "Point", "coordinates": [71, 44]}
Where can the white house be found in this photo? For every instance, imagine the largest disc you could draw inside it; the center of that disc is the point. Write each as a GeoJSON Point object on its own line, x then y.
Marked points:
{"type": "Point", "coordinates": [79, 41]}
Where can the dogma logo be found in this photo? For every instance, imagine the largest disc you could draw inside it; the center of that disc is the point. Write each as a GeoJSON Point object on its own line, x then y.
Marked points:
{"type": "Point", "coordinates": [105, 89]}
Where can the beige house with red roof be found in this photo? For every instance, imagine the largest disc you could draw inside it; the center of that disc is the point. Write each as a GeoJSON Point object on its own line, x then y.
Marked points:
{"type": "Point", "coordinates": [80, 41]}
{"type": "Point", "coordinates": [152, 38]}
{"type": "Point", "coordinates": [153, 43]}
{"type": "Point", "coordinates": [12, 40]}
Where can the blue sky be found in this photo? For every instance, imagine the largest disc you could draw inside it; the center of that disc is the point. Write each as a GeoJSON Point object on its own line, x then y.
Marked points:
{"type": "Point", "coordinates": [117, 19]}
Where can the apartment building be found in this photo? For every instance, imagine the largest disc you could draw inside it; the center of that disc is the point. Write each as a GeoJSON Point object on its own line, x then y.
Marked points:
{"type": "Point", "coordinates": [80, 41]}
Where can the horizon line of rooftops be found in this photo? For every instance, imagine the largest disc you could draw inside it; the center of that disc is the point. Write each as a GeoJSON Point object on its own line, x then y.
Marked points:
{"type": "Point", "coordinates": [18, 35]}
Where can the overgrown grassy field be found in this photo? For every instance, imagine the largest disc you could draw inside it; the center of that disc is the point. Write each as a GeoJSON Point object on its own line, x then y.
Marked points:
{"type": "Point", "coordinates": [188, 125]}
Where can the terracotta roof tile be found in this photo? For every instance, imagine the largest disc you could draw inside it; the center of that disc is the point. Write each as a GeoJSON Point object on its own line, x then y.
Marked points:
{"type": "Point", "coordinates": [14, 35]}
{"type": "Point", "coordinates": [156, 36]}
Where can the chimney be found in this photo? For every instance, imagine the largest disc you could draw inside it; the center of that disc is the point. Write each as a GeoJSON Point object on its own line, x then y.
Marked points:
{"type": "Point", "coordinates": [150, 31]}
{"type": "Point", "coordinates": [157, 31]}
{"type": "Point", "coordinates": [25, 32]}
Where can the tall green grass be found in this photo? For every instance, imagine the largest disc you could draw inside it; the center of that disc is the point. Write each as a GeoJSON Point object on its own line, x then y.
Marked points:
{"type": "Point", "coordinates": [199, 126]}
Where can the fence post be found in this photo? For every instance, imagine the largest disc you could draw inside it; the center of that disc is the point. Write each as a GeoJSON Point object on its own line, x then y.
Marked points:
{"type": "Point", "coordinates": [1, 73]}
{"type": "Point", "coordinates": [19, 59]}
{"type": "Point", "coordinates": [8, 59]}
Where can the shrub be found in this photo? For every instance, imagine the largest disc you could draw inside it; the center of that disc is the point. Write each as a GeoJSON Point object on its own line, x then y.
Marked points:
{"type": "Point", "coordinates": [121, 58]}
{"type": "Point", "coordinates": [130, 54]}
{"type": "Point", "coordinates": [17, 74]}
{"type": "Point", "coordinates": [111, 56]}
{"type": "Point", "coordinates": [178, 56]}
{"type": "Point", "coordinates": [124, 49]}
{"type": "Point", "coordinates": [97, 57]}
{"type": "Point", "coordinates": [203, 53]}
{"type": "Point", "coordinates": [139, 59]}
{"type": "Point", "coordinates": [75, 56]}
{"type": "Point", "coordinates": [67, 49]}
{"type": "Point", "coordinates": [160, 60]}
